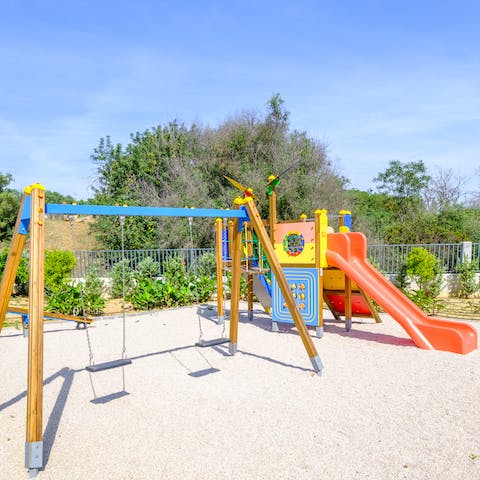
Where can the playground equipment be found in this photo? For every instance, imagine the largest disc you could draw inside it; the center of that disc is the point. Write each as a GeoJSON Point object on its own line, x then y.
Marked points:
{"type": "Point", "coordinates": [319, 265]}
{"type": "Point", "coordinates": [32, 214]}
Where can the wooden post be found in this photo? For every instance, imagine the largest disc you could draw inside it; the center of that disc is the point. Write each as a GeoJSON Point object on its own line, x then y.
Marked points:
{"type": "Point", "coordinates": [272, 209]}
{"type": "Point", "coordinates": [34, 430]}
{"type": "Point", "coordinates": [264, 239]}
{"type": "Point", "coordinates": [236, 254]}
{"type": "Point", "coordinates": [219, 268]}
{"type": "Point", "coordinates": [12, 263]}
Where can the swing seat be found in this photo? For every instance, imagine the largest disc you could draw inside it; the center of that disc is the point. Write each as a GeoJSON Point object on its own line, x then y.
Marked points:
{"type": "Point", "coordinates": [108, 365]}
{"type": "Point", "coordinates": [211, 343]}
{"type": "Point", "coordinates": [205, 371]}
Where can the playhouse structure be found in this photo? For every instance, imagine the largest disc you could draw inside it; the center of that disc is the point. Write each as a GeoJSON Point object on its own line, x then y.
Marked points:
{"type": "Point", "coordinates": [321, 265]}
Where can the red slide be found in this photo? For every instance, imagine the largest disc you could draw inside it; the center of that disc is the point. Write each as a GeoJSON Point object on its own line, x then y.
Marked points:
{"type": "Point", "coordinates": [348, 252]}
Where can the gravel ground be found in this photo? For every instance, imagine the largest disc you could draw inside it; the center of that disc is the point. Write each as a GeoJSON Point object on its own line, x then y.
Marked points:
{"type": "Point", "coordinates": [383, 408]}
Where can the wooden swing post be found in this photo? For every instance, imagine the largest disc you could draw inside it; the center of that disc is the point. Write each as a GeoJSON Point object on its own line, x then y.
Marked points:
{"type": "Point", "coordinates": [219, 268]}
{"type": "Point", "coordinates": [236, 254]}
{"type": "Point", "coordinates": [264, 239]}
{"type": "Point", "coordinates": [34, 427]}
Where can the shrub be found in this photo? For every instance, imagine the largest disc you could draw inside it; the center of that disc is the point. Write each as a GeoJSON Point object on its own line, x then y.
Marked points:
{"type": "Point", "coordinates": [147, 269]}
{"type": "Point", "coordinates": [122, 272]}
{"type": "Point", "coordinates": [174, 270]}
{"type": "Point", "coordinates": [58, 268]}
{"type": "Point", "coordinates": [468, 279]}
{"type": "Point", "coordinates": [93, 291]}
{"type": "Point", "coordinates": [421, 278]}
{"type": "Point", "coordinates": [205, 266]}
{"type": "Point", "coordinates": [66, 300]}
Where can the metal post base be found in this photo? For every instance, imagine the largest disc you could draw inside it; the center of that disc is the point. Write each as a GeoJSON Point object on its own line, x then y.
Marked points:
{"type": "Point", "coordinates": [220, 320]}
{"type": "Point", "coordinates": [33, 457]}
{"type": "Point", "coordinates": [274, 327]}
{"type": "Point", "coordinates": [348, 325]}
{"type": "Point", "coordinates": [232, 348]}
{"type": "Point", "coordinates": [317, 364]}
{"type": "Point", "coordinates": [250, 315]}
{"type": "Point", "coordinates": [319, 332]}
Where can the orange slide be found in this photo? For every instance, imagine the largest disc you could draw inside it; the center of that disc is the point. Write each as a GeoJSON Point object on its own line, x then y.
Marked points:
{"type": "Point", "coordinates": [348, 252]}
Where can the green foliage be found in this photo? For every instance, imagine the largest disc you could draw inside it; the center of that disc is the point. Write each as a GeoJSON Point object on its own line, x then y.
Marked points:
{"type": "Point", "coordinates": [147, 269]}
{"type": "Point", "coordinates": [79, 298]}
{"type": "Point", "coordinates": [9, 207]}
{"type": "Point", "coordinates": [122, 273]}
{"type": "Point", "coordinates": [66, 299]}
{"type": "Point", "coordinates": [21, 279]}
{"type": "Point", "coordinates": [206, 265]}
{"type": "Point", "coordinates": [177, 287]}
{"type": "Point", "coordinates": [468, 279]}
{"type": "Point", "coordinates": [420, 279]}
{"type": "Point", "coordinates": [93, 293]}
{"type": "Point", "coordinates": [174, 270]}
{"type": "Point", "coordinates": [58, 268]}
{"type": "Point", "coordinates": [404, 180]}
{"type": "Point", "coordinates": [178, 165]}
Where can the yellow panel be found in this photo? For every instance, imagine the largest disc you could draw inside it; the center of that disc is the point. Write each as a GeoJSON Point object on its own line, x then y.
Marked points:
{"type": "Point", "coordinates": [334, 279]}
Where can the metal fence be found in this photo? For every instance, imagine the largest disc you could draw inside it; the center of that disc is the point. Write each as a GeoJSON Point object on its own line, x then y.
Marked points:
{"type": "Point", "coordinates": [387, 258]}
{"type": "Point", "coordinates": [103, 261]}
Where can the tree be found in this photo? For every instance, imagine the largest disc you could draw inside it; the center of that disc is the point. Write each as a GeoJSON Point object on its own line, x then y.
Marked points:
{"type": "Point", "coordinates": [9, 206]}
{"type": "Point", "coordinates": [404, 180]}
{"type": "Point", "coordinates": [443, 191]}
{"type": "Point", "coordinates": [178, 165]}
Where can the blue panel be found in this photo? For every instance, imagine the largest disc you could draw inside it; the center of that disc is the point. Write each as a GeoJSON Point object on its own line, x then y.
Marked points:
{"type": "Point", "coordinates": [25, 216]}
{"type": "Point", "coordinates": [303, 284]}
{"type": "Point", "coordinates": [127, 211]}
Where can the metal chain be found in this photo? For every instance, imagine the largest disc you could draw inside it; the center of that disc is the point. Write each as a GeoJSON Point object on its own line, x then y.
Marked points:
{"type": "Point", "coordinates": [200, 329]}
{"type": "Point", "coordinates": [82, 301]}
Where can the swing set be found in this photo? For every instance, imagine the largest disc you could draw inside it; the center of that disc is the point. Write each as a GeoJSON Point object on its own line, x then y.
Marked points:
{"type": "Point", "coordinates": [32, 216]}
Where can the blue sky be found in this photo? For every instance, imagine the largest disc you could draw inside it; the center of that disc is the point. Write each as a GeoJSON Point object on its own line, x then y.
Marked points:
{"type": "Point", "coordinates": [374, 80]}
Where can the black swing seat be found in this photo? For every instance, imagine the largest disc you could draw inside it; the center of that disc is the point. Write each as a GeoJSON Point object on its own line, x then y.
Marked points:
{"type": "Point", "coordinates": [107, 365]}
{"type": "Point", "coordinates": [211, 343]}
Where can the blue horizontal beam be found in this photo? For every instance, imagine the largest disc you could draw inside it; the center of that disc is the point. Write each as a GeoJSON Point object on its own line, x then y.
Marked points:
{"type": "Point", "coordinates": [127, 211]}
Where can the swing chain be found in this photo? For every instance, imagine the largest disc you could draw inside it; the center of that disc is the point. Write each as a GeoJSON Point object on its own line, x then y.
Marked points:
{"type": "Point", "coordinates": [122, 225]}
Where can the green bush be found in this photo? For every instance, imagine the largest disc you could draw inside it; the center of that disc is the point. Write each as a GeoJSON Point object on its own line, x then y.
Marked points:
{"type": "Point", "coordinates": [174, 270]}
{"type": "Point", "coordinates": [93, 293]}
{"type": "Point", "coordinates": [206, 266]}
{"type": "Point", "coordinates": [468, 279]}
{"type": "Point", "coordinates": [58, 268]}
{"type": "Point", "coordinates": [122, 272]}
{"type": "Point", "coordinates": [66, 299]}
{"type": "Point", "coordinates": [77, 299]}
{"type": "Point", "coordinates": [421, 278]}
{"type": "Point", "coordinates": [147, 269]}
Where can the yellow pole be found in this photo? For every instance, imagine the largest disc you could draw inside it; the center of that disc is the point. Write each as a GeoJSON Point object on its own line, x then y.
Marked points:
{"type": "Point", "coordinates": [236, 254]}
{"type": "Point", "coordinates": [219, 268]}
{"type": "Point", "coordinates": [321, 226]}
{"type": "Point", "coordinates": [11, 264]}
{"type": "Point", "coordinates": [34, 441]}
{"type": "Point", "coordinates": [264, 239]}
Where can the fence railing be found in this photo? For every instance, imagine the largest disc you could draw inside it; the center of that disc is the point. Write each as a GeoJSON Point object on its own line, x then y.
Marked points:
{"type": "Point", "coordinates": [103, 261]}
{"type": "Point", "coordinates": [388, 258]}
